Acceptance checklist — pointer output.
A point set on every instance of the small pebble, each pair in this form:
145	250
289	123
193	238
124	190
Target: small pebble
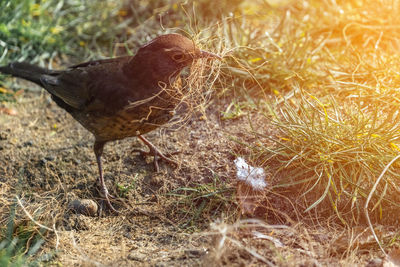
195	253
28	143
3	136
84	206
50	158
375	263
137	256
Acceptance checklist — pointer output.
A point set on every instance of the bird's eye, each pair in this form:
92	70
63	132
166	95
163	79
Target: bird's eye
179	57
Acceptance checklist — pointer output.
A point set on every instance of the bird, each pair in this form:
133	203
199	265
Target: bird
120	97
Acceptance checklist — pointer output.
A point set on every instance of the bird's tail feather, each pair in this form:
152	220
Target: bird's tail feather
25	70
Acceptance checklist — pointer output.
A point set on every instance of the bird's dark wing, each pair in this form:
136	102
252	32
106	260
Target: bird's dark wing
80	85
100	62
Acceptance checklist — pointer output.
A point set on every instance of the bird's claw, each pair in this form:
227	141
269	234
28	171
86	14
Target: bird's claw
158	155
104	193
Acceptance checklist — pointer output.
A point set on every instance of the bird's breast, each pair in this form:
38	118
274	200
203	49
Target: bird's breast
133	119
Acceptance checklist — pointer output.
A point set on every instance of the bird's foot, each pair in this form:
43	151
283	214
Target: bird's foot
155	152
104	193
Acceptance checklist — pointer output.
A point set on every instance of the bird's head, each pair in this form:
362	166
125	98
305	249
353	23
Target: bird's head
168	54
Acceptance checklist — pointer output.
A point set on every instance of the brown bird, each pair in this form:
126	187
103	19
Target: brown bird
119	97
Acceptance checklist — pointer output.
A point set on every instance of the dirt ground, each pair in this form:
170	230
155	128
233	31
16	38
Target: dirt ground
47	160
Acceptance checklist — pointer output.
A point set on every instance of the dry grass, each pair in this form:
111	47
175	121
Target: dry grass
308	90
335	108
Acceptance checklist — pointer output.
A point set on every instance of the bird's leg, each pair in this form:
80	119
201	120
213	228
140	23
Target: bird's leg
153	151
98	151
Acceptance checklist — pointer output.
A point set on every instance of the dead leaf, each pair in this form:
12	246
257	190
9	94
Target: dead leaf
9	111
19	92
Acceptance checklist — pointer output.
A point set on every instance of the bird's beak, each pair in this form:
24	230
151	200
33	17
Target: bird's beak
206	54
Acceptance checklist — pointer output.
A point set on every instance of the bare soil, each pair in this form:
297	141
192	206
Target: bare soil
46	159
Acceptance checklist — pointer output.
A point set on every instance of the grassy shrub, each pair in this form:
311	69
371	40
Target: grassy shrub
333	69
41	31
20	243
